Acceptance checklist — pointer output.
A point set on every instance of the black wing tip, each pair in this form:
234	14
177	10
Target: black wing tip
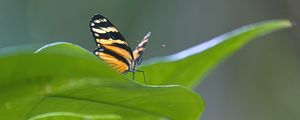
97	16
104	20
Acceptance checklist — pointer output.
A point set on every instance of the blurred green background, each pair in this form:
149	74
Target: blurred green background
260	82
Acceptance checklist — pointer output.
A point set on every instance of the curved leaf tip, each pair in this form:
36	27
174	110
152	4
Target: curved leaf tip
270	26
189	66
54	45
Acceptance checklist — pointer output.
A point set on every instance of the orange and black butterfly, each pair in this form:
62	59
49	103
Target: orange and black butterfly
112	47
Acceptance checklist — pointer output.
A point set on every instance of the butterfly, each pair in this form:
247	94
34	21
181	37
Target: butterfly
112	47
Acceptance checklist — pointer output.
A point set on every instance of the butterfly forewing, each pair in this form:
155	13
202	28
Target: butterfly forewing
112	47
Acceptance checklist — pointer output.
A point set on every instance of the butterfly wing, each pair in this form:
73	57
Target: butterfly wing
112	47
138	52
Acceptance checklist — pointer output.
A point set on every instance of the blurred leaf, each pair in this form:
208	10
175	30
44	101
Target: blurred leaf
57	84
188	67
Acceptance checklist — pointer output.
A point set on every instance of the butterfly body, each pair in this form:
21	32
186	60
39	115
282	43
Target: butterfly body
112	47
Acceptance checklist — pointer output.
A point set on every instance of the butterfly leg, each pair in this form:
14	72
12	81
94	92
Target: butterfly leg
123	75
133	75
143	75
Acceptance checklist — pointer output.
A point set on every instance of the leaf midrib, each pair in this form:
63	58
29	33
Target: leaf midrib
108	103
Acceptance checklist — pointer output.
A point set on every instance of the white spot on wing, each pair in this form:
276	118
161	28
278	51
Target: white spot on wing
92	24
114	29
109	29
98	30
97	21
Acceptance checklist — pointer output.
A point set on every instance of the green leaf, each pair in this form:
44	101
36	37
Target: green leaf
62	81
188	67
69	49
57	84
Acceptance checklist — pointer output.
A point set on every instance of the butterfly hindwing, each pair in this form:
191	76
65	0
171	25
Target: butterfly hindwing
115	60
112	47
